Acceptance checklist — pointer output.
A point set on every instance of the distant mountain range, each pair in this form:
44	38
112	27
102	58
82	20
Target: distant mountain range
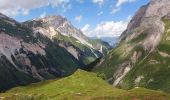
113	41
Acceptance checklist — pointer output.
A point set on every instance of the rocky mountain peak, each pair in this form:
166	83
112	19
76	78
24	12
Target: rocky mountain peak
2	16
54	21
148	21
7	19
52	25
59	23
58	26
158	8
158	1
54	17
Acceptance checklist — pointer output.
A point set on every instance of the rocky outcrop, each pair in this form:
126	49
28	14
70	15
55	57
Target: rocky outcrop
12	48
148	19
125	67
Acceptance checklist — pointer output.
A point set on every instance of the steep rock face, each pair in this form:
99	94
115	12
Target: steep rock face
61	31
142	57
26	58
60	24
148	19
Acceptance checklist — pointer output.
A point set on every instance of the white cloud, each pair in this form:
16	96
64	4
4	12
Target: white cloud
81	1
117	7
100	2
120	2
85	29
100	13
13	7
115	10
25	12
44	14
129	17
67	7
106	29
56	3
78	18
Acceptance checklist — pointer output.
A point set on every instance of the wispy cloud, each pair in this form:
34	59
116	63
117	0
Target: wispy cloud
117	6
43	15
78	18
100	2
81	1
86	28
100	13
115	10
120	2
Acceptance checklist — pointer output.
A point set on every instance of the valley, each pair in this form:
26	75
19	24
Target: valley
50	59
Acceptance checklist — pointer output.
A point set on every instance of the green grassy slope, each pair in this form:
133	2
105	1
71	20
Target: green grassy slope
81	86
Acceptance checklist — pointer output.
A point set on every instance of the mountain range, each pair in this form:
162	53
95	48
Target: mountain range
113	41
138	68
43	49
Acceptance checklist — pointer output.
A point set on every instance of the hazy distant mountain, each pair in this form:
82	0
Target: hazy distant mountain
111	40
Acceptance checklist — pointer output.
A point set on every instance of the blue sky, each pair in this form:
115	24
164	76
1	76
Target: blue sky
88	15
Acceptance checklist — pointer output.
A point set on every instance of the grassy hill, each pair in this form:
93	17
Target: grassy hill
79	86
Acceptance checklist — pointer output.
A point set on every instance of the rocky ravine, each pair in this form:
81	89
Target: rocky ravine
139	59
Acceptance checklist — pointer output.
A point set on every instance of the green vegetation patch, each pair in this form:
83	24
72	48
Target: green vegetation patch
81	86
